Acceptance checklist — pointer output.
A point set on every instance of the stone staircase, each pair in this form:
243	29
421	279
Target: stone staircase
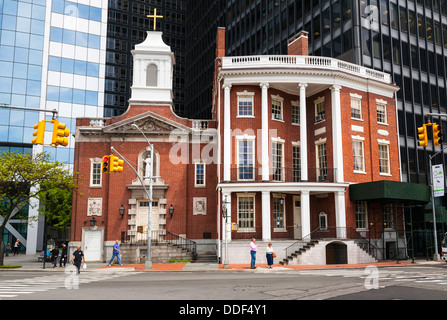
163	252
293	257
314	253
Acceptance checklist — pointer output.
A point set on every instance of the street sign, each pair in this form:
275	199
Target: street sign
438	180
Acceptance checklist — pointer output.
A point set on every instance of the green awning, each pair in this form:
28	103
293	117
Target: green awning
389	191
440	212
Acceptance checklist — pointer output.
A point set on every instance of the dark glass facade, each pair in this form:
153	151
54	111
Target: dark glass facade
407	39
127	26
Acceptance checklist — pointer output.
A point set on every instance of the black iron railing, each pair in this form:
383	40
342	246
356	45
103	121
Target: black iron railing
282	174
165	236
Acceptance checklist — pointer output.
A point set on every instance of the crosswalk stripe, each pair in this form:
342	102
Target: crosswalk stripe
13	288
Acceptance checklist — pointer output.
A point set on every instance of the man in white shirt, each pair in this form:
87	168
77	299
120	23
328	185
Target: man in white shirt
253	249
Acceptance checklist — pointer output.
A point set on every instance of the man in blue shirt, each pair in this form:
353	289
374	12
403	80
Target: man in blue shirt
116	253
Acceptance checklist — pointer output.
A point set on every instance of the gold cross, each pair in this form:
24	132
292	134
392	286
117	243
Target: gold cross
155	18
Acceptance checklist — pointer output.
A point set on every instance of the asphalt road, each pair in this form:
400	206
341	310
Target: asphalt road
415	282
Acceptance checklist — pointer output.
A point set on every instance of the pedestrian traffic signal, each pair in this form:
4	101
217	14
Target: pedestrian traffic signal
422	136
39	134
105	164
437	134
60	134
116	164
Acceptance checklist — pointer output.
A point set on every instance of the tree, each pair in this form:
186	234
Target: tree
25	178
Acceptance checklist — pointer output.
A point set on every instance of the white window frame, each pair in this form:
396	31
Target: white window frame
296	113
383	143
251	139
356	104
246	229
361	215
278	197
320	115
196	164
93	162
357	139
322	215
281	142
383	104
275	115
318	144
297	161
249	97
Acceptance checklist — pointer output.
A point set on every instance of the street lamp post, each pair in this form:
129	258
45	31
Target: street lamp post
224	210
148	263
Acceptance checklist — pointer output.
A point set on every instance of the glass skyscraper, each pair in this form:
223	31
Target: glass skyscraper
127	26
52	57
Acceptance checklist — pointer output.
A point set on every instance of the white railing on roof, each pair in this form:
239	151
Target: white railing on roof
266	62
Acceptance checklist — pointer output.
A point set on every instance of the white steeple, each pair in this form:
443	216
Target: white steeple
153	67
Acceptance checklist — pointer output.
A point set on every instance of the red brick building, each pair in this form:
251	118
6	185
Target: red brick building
290	136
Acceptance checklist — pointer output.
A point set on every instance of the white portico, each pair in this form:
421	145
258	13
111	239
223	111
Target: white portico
302	78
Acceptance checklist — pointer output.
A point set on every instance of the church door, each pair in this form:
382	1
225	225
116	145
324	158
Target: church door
143	209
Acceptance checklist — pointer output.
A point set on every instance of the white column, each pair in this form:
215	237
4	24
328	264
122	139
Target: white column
303	132
265	133
337	134
227	226
340	214
266	213
227	133
305	214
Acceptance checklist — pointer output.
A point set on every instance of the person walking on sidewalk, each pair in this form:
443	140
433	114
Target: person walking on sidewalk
54	256
77	258
16	247
63	255
116	253
253	249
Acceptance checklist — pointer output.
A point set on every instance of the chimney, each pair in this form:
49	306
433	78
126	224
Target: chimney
220	43
299	44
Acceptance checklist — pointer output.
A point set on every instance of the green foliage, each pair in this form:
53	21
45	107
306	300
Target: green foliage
25	178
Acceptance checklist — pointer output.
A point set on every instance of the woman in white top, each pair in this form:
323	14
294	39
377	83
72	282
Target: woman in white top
269	255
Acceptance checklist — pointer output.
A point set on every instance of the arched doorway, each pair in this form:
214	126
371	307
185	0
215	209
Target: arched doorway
336	253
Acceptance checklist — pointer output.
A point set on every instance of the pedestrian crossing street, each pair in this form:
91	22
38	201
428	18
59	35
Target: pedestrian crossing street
69	280
389	275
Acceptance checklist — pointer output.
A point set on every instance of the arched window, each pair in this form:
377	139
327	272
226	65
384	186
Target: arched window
152	76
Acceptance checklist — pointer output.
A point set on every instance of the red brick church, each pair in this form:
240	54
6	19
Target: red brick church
296	149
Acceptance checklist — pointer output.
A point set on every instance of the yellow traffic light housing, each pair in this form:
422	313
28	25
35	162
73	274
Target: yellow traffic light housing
60	134
437	134
116	164
422	136
39	134
105	164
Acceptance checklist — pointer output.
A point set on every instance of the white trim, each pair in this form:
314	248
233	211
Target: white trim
356	96
248	96
284	214
94	161
281	101
248	139
197	162
246	195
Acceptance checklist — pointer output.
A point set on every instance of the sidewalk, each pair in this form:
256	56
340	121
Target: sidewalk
31	263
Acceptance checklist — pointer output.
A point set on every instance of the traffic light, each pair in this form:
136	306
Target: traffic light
39	134
437	134
422	136
116	164
105	164
60	134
